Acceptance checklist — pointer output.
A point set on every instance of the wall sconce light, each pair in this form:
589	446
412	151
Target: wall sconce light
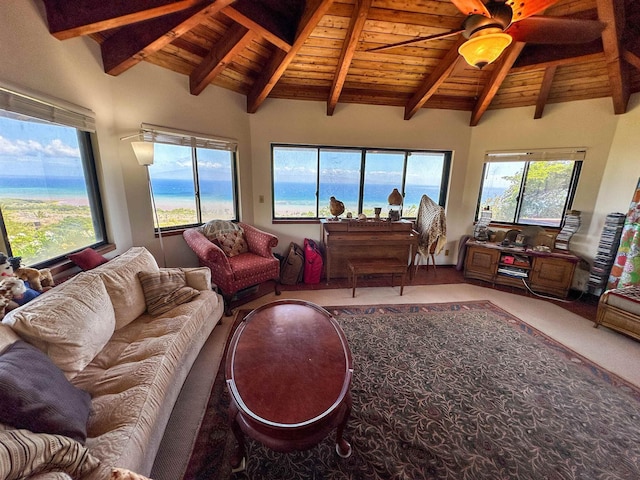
143	152
484	47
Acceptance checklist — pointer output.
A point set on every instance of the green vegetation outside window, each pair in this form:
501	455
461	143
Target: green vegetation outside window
306	177
49	198
530	188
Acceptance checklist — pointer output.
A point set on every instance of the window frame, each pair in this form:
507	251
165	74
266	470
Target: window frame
194	141
51	110
576	155
444	183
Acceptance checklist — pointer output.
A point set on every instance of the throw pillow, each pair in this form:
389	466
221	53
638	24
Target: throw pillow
24	453
165	289
35	394
213	227
232	243
87	259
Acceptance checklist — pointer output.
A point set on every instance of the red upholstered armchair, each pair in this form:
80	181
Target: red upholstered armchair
244	270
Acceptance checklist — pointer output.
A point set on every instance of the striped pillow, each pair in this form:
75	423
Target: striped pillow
165	289
24	453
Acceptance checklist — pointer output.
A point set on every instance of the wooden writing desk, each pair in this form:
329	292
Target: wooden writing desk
345	240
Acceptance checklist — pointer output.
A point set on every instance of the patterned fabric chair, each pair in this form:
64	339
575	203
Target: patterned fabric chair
233	273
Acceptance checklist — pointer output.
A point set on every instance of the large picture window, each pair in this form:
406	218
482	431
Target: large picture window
529	188
193	177
306	177
49	198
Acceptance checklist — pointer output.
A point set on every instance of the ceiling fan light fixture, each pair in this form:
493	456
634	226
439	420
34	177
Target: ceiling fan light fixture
484	47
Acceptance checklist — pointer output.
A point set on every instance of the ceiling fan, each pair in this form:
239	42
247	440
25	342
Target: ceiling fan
491	27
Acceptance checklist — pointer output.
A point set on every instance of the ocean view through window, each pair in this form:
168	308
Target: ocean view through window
49	199
193	180
306	177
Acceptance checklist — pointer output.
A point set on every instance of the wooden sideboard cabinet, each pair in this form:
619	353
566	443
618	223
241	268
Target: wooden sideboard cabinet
344	240
547	273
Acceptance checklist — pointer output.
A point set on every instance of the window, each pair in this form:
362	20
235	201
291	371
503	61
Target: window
49	198
306	177
193	177
530	188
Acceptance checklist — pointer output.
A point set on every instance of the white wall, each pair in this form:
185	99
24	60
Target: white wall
72	70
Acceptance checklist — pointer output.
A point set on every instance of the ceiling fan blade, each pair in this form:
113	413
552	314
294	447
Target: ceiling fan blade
525	8
416	40
472	7
555	30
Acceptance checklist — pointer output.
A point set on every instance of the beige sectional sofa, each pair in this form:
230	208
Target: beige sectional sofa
97	329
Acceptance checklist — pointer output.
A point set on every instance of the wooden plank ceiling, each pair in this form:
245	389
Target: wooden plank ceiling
320	50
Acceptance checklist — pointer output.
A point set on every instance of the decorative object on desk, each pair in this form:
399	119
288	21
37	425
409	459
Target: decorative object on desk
481	230
570	226
395	205
336	207
377	211
395	197
626	269
531	235
349	215
431	224
362	217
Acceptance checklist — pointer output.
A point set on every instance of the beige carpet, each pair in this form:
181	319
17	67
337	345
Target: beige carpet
611	350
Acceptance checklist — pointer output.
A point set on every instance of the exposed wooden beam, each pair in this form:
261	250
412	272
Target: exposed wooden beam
234	41
131	44
254	26
356	25
612	13
497	77
315	10
545	88
432	82
82	17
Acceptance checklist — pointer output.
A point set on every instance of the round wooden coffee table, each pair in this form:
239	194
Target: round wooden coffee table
289	369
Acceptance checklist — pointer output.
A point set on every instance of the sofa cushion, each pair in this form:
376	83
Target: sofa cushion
87	259
165	289
24	453
70	323
120	276
7	336
135	379
36	395
198	277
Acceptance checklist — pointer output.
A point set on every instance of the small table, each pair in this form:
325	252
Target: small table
289	370
369	266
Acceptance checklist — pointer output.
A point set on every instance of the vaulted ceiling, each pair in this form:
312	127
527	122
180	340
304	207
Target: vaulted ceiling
322	50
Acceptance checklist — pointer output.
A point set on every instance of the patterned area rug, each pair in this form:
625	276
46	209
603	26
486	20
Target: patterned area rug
453	391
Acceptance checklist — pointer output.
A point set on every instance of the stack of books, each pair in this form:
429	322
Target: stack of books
606	253
570	226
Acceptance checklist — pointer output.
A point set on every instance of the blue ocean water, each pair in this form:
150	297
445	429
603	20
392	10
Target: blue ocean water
175	191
